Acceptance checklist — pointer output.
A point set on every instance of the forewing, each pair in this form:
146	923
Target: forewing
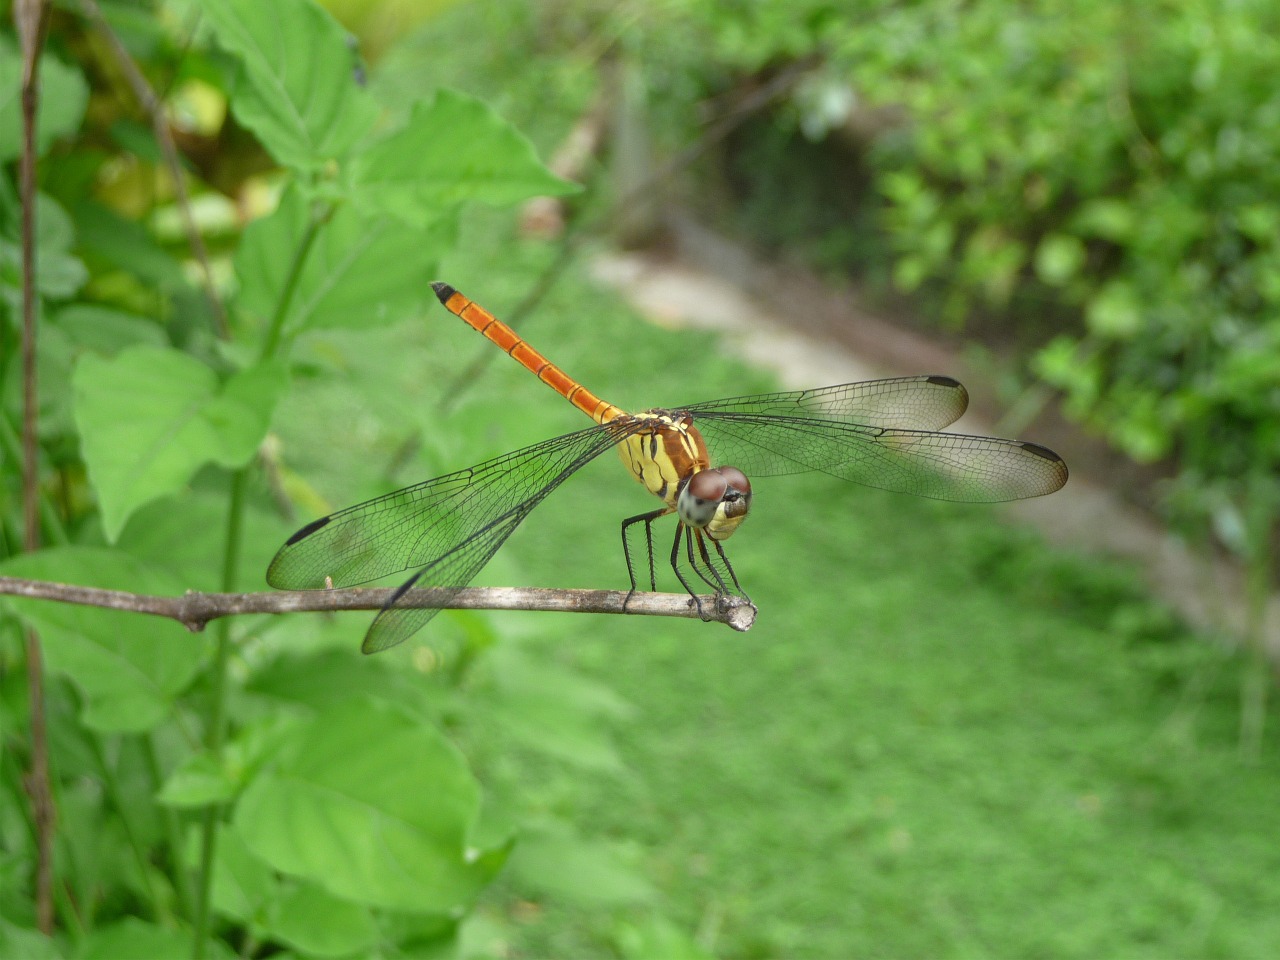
906	403
943	466
454	516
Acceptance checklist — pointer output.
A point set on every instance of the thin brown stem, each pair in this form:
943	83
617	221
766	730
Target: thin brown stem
31	17
194	610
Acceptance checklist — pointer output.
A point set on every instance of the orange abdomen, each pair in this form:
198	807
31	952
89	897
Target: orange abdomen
498	332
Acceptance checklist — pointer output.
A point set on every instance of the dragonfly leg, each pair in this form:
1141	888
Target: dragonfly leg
712	568
728	566
718	584
647	519
684	531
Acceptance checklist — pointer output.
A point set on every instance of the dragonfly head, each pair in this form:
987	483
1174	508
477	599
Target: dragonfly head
715	501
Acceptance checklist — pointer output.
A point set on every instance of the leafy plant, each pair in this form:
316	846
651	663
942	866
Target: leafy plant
208	800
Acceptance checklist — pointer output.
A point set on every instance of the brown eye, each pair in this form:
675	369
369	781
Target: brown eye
735	478
708	485
724	489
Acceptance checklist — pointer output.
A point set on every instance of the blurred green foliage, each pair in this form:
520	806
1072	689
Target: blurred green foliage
1102	174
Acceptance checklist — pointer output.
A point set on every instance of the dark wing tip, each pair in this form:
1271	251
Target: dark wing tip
1047	454
443	291
278	574
307	531
958	389
1044	452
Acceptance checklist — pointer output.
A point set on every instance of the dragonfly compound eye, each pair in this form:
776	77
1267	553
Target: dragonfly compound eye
724	490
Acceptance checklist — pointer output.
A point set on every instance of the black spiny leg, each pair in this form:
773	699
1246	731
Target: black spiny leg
728	566
647	519
681	529
718	585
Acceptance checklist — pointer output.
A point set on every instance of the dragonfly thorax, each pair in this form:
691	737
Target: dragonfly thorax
662	450
715	501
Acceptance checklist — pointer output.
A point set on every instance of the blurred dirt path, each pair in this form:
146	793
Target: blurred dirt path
710	284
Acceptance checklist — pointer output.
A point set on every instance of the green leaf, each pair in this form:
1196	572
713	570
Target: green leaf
198	781
374	805
107	331
298	94
129	667
909	272
63	97
54	363
320	679
132	937
201	780
107	237
184	532
316	923
553	861
149	418
242	884
362	269
554	711
60	274
453	149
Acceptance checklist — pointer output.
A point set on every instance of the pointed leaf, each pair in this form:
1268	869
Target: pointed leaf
454	148
363	268
299	93
149	418
242	884
374	805
554	861
316	923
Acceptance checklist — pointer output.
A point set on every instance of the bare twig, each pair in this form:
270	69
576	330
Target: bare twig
154	109
194	610
31	18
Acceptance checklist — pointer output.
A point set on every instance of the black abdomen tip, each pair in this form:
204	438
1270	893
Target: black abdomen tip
443	290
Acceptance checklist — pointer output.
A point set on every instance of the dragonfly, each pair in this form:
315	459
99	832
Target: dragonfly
879	433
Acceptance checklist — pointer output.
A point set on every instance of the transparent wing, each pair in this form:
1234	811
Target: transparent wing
821	430
449	526
907	403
